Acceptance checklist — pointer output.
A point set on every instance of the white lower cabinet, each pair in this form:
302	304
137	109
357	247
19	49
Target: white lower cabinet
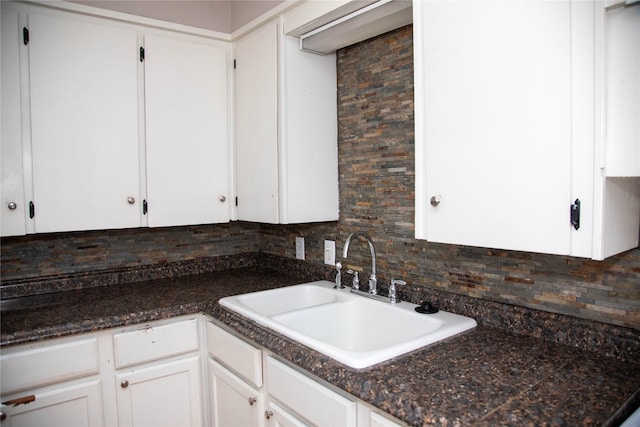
166	394
78	405
148	375
248	386
154	375
235	380
369	417
277	416
305	397
158	379
233	401
54	383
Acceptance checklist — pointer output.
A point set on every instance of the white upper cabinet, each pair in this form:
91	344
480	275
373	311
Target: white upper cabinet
497	124
256	92
13	209
505	134
84	123
309	140
286	130
622	53
94	132
186	131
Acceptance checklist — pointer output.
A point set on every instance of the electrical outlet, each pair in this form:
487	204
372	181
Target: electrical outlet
299	247
330	252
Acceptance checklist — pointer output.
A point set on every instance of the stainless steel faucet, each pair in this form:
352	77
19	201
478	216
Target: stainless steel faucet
373	280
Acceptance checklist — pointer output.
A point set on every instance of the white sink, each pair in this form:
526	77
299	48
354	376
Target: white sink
352	329
282	300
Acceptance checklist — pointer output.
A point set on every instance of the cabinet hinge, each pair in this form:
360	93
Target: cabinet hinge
141	54
234	64
25	35
32	210
145	207
575	214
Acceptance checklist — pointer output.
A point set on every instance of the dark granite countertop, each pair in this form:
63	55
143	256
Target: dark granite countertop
484	377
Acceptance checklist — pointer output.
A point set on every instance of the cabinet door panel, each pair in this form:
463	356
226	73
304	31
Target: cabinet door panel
186	132
84	115
497	124
12	220
257	125
310	152
238	355
76	405
623	91
279	417
306	397
161	395
233	402
34	365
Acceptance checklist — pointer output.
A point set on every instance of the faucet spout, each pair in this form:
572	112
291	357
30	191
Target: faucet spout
373	279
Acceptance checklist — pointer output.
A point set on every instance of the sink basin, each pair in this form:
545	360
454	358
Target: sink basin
281	300
352	329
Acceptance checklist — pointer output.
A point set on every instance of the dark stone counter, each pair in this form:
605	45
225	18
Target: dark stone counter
484	377
91	309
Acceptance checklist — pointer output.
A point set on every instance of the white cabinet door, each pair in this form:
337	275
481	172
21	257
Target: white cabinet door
309	142
257	125
12	208
307	398
369	417
78	405
233	402
277	416
622	34
166	394
286	130
186	132
493	124
84	116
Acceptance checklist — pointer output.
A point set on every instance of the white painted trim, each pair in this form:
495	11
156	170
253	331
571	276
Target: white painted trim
127	18
420	156
599	131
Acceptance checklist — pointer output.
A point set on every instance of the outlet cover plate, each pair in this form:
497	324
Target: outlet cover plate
299	247
330	252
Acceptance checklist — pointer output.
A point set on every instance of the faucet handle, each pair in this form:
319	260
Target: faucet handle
356	279
393	296
338	284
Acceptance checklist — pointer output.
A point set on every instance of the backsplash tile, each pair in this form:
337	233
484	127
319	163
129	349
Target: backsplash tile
66	253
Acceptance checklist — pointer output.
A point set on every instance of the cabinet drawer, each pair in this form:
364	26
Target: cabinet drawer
311	400
156	341
35	365
243	358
